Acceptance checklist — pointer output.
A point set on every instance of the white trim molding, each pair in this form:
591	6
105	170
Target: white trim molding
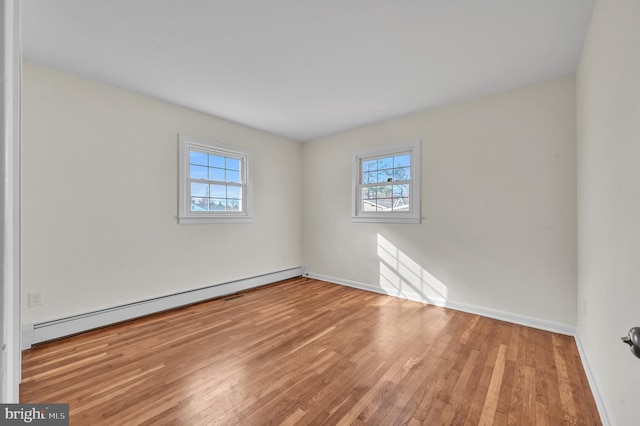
42	332
10	122
26	340
527	321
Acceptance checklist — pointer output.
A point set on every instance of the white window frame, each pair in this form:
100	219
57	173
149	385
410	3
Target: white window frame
410	216
185	215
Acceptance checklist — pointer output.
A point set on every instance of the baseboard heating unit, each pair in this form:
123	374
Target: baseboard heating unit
50	330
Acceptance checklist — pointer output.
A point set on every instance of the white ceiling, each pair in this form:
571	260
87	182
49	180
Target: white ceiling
306	69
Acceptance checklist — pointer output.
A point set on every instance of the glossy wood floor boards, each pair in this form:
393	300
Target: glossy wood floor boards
309	352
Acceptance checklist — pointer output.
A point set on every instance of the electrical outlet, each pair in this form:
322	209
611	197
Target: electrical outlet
35	299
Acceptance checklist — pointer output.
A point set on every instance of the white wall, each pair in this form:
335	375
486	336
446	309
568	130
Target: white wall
608	93
498	206
100	200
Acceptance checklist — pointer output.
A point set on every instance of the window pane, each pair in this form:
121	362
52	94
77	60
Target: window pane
369	193
401	204
199	204
197	172
216	161
402	173
385	175
218	191
233	176
369	165
233	205
198	158
385	163
233	164
217	204
234	192
198	189
402	161
369	177
368	206
400	190
368	199
401	197
216	174
384	204
384	191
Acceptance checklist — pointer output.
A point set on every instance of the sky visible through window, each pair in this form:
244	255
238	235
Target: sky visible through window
216	182
385	183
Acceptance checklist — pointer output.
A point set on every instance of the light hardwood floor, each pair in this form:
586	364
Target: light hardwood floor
309	352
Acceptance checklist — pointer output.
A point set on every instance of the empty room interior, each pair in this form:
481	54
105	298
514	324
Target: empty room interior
368	212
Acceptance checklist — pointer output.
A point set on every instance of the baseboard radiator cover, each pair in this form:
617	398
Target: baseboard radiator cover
527	321
63	327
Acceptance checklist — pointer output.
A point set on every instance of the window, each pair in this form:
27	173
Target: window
386	184
214	182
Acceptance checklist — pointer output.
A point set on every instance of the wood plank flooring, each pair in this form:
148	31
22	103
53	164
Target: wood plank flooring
309	352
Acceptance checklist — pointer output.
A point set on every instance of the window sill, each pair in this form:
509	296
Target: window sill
190	220
394	219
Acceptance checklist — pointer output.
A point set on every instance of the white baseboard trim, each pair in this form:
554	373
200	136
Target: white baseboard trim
527	321
595	390
42	332
26	339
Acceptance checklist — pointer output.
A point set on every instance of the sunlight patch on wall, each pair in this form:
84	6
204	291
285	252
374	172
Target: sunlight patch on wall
400	275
